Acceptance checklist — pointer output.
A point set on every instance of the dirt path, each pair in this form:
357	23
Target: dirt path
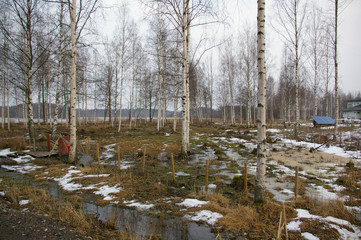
314	163
23	225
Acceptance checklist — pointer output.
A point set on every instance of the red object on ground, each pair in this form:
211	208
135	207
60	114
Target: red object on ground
63	147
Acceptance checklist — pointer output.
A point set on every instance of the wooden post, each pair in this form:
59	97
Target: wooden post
245	179
340	138
87	146
34	147
207	166
48	141
296	183
285	221
118	150
143	163
29	143
98	154
173	170
282	225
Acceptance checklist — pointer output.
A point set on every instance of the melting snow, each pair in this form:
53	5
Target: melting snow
107	190
332	221
205	215
140	206
309	236
189	202
5	152
23	202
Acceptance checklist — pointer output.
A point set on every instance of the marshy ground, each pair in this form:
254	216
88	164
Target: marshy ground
328	205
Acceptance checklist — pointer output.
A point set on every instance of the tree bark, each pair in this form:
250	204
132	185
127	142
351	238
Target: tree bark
72	152
261	114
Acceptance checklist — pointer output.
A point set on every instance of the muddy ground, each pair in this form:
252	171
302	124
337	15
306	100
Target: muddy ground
21	224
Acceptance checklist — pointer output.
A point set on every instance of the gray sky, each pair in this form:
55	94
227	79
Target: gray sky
243	13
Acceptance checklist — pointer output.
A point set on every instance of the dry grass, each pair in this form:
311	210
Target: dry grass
320	230
14	143
334	208
259	222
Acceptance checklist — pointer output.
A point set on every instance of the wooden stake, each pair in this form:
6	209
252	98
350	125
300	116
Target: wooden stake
207	166
56	142
98	154
296	183
87	146
173	170
245	179
282	225
118	150
143	163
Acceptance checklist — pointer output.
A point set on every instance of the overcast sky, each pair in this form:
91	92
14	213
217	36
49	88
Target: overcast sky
243	13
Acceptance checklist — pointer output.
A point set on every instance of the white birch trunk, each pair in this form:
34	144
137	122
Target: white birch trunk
336	70
72	152
260	189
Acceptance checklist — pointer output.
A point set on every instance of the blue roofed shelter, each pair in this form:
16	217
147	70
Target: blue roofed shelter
319	121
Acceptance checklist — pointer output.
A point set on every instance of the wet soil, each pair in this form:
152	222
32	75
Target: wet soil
20	224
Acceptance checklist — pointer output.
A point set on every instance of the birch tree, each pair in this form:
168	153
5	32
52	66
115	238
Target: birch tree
260	189
85	10
291	16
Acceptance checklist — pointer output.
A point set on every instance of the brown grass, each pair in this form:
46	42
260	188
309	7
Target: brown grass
14	143
320	229
259	222
334	208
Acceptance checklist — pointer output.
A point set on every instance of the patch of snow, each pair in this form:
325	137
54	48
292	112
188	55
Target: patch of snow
294	226
106	190
181	174
23	159
22	168
323	193
271	130
189	202
205	215
309	236
96	176
212	186
5	152
287	191
23	202
140	206
2	193
167	134
65	181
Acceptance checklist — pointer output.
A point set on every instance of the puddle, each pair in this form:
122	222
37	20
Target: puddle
141	225
137	222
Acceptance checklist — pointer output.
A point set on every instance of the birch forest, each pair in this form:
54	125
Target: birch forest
137	77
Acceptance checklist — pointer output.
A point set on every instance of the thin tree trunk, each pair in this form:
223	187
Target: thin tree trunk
185	79
260	189
336	70
72	152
